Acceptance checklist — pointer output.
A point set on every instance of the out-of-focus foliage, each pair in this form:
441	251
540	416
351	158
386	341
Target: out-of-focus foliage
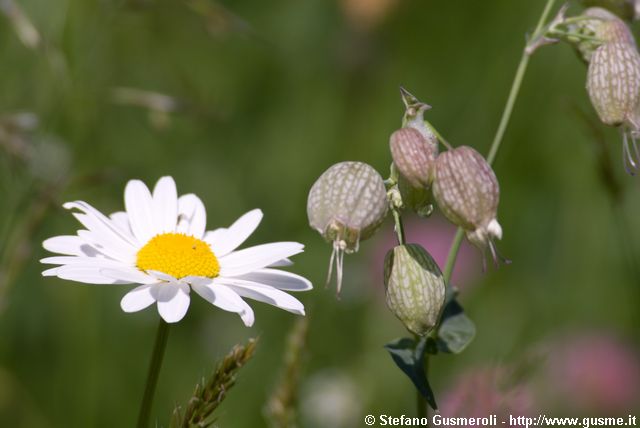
246	103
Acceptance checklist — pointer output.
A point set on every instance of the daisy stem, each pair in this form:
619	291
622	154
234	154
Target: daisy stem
154	370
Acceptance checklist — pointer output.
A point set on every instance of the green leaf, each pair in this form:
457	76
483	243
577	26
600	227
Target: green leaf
409	357
456	329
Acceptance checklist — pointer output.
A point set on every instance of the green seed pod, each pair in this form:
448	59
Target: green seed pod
414	156
613	79
466	190
347	204
415	287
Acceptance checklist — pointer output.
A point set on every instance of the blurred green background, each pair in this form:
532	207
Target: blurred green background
246	103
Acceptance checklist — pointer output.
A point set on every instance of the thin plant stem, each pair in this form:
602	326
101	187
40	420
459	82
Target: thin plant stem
502	127
453	254
493	151
399	227
515	87
421	403
558	33
439	136
154	370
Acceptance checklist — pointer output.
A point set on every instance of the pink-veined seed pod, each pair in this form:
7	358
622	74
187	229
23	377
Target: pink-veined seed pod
413	156
415	287
613	84
347	204
467	192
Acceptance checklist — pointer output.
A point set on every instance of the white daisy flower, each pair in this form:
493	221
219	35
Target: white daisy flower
160	242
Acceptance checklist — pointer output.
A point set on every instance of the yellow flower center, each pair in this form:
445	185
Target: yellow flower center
178	255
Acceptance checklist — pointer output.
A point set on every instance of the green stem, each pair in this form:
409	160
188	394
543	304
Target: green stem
576	19
438	135
515	87
421	403
497	141
495	146
502	128
154	370
399	227
453	254
565	34
423	406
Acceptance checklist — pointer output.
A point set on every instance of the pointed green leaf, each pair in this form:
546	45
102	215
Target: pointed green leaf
456	329
409	357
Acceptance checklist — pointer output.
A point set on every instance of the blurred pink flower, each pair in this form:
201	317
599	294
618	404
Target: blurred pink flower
367	13
594	371
486	391
435	234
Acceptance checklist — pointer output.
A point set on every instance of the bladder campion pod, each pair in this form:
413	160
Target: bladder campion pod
467	192
414	156
346	205
415	287
613	83
413	166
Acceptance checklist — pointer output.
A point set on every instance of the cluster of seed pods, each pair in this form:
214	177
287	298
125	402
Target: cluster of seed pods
350	200
463	184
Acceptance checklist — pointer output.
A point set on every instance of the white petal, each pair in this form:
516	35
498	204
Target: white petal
131	275
86	274
258	257
97	262
50	272
69	245
282	263
107	244
103	234
247	316
121	219
226	299
220	296
265	294
138	203
195	280
173	300
279	279
215	236
103	220
162	276
137	299
192	216
165	205
236	234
